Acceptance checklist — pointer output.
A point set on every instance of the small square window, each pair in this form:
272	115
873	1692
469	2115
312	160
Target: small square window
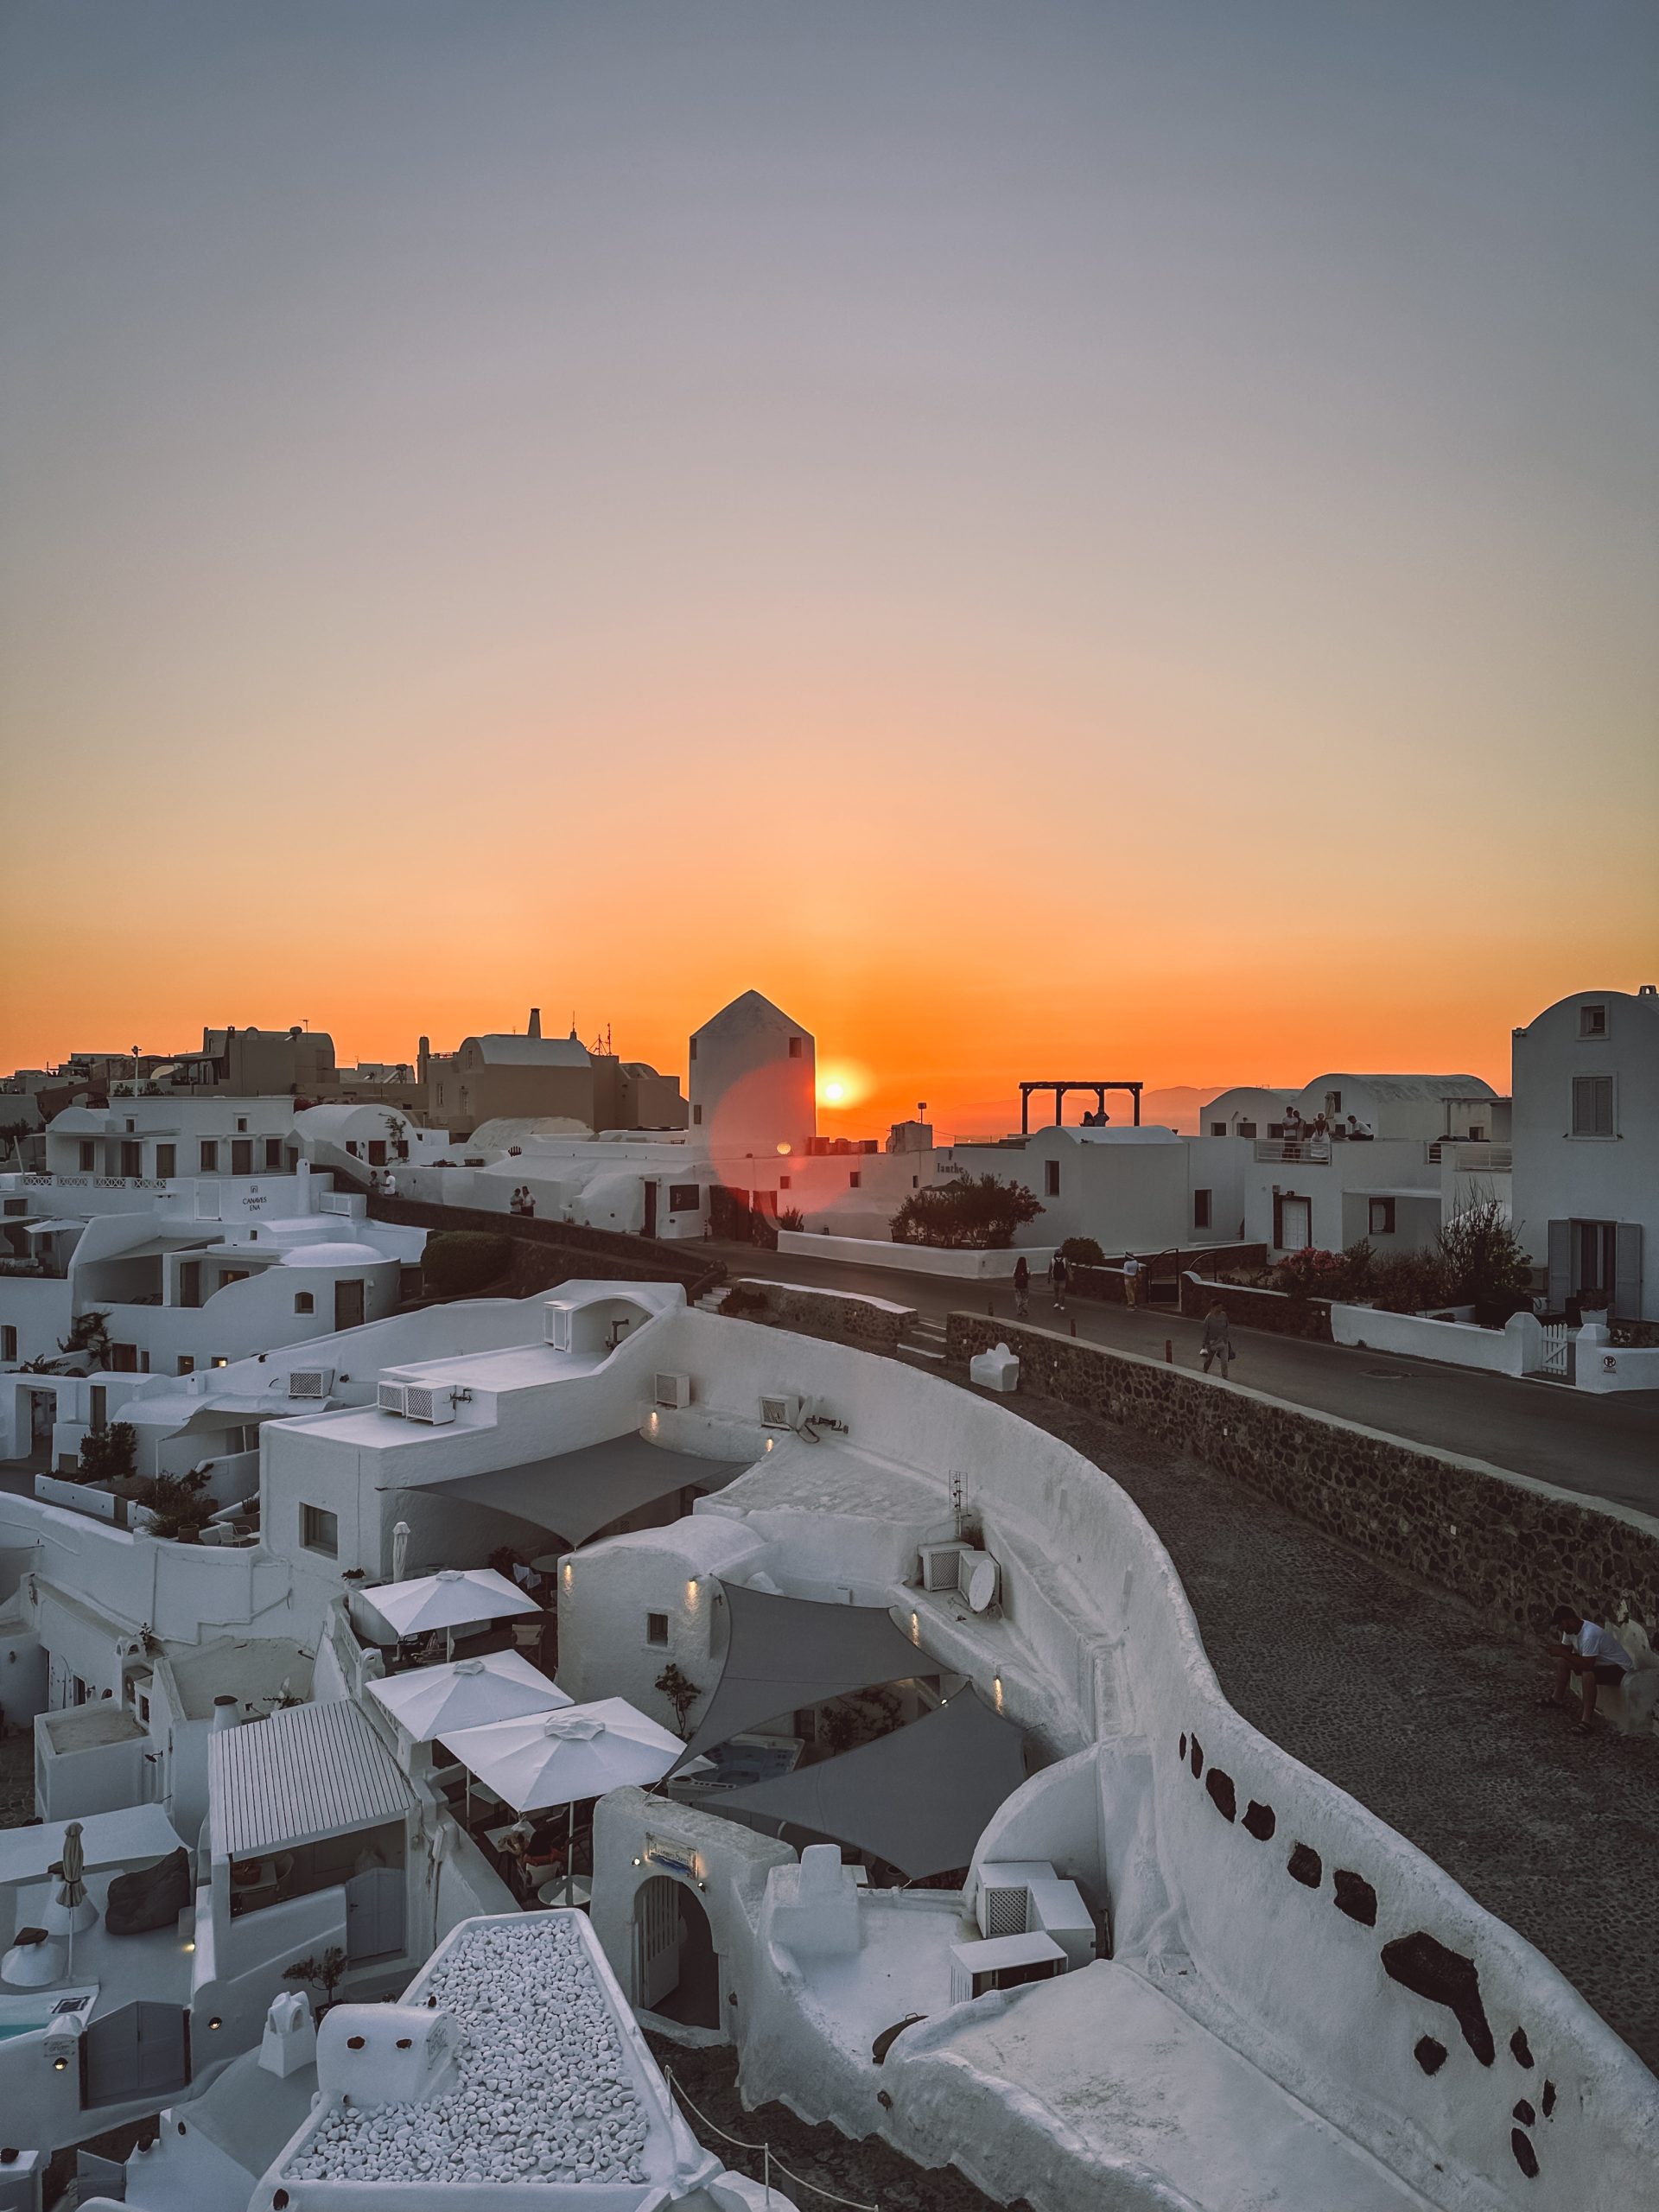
1593	1021
783	1182
241	1125
1247	1129
1382	1217
1217	1129
8	1343
304	1302
694	1052
656	1629
696	1117
187	1363
854	1179
320	1530
1201	1209
794	1048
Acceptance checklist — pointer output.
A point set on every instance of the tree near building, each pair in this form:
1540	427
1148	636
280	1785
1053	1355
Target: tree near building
968	1214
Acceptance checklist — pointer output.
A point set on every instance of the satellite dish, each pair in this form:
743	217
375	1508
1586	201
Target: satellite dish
978	1581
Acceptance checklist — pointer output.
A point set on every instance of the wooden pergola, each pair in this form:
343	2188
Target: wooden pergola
1060	1090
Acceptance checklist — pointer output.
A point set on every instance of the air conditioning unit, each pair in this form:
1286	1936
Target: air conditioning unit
310	1381
782	1409
555	1326
673	1390
429	1402
1003	1907
940	1565
416	1401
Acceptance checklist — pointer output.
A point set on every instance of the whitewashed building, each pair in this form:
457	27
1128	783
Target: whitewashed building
1586	1084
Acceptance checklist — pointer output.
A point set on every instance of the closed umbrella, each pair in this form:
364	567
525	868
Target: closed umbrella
399	1551
449	1599
561	1758
73	1894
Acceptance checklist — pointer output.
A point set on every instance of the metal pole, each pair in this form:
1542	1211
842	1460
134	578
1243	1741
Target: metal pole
768	2151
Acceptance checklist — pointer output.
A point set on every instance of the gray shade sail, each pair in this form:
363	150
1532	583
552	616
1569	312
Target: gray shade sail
785	1652
574	1493
920	1798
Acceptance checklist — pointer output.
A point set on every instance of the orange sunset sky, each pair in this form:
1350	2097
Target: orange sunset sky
1109	540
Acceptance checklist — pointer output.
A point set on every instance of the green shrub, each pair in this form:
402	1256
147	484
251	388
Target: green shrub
1483	1256
966	1215
1409	1282
109	1455
458	1261
1082	1252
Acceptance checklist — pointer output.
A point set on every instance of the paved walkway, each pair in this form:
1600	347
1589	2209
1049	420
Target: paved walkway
1419	1708
1604	1447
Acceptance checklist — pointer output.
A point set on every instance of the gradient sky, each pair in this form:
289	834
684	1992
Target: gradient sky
1112	538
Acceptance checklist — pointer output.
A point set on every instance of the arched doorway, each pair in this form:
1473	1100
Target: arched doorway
677	1970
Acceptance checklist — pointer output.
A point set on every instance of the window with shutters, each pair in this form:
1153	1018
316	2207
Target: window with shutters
1593	1106
1217	1129
209	1160
684	1197
166	1162
657	1630
1593	1021
88	1156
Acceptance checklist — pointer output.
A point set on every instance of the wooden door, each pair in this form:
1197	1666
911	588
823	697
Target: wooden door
657	1940
374	1914
651	1210
348	1306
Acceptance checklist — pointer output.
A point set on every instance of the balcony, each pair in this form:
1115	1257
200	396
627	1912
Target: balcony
1472	1157
1294	1152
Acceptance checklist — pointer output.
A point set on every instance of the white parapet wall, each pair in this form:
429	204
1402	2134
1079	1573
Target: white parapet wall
1512	1350
915	1259
1600	1365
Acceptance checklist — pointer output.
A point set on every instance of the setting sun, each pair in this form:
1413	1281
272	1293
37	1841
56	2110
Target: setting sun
834	1093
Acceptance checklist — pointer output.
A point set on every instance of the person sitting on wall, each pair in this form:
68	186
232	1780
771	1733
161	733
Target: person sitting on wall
1594	1655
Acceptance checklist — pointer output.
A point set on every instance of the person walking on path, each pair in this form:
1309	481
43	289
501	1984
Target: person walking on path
1217	1342
1022	1289
1594	1655
1131	1281
1057	1276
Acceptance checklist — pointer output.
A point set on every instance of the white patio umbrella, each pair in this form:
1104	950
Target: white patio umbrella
559	1758
399	1550
467	1694
449	1600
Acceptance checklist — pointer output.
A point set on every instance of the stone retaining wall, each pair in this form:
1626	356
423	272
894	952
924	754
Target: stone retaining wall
873	1321
1272	1310
1515	1548
598	1252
